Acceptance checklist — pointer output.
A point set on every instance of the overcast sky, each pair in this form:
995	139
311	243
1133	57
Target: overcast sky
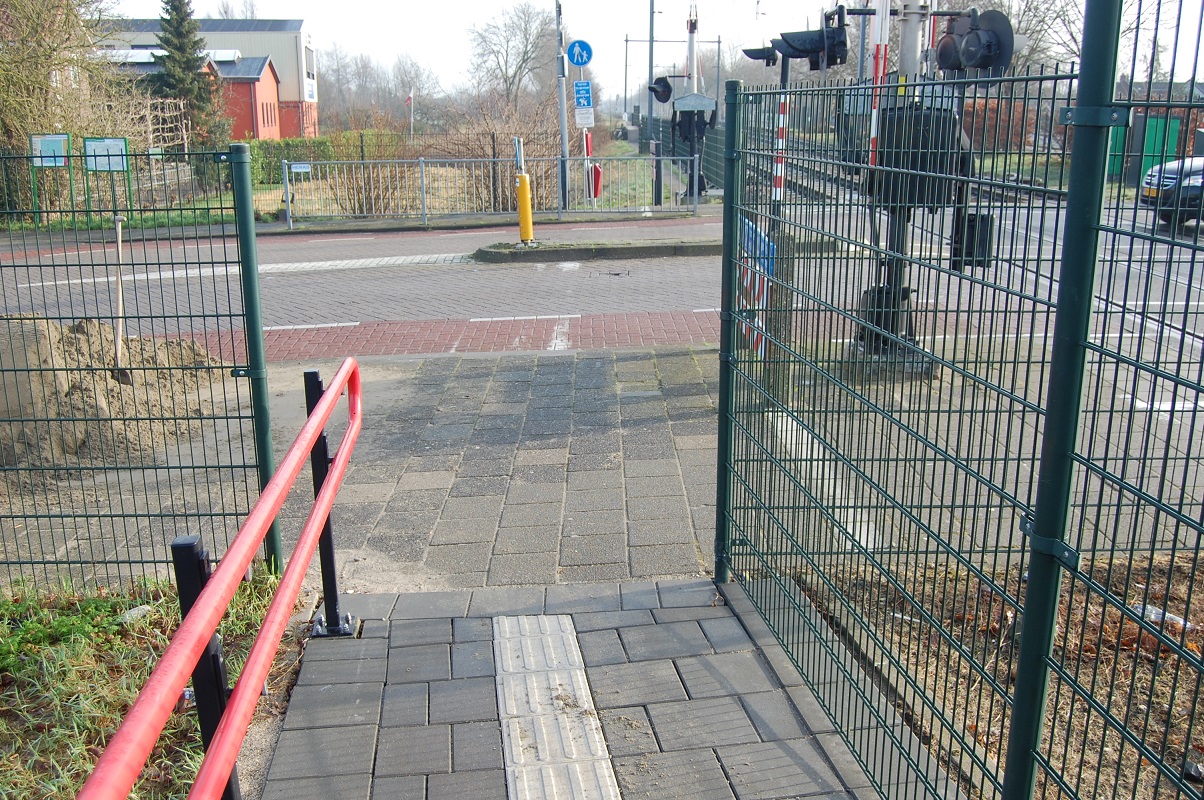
435	34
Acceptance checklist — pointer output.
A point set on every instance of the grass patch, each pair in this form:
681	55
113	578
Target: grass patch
71	665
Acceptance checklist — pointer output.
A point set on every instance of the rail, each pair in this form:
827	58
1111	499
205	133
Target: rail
119	766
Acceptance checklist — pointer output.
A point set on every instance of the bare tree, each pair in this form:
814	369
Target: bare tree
511	49
50	79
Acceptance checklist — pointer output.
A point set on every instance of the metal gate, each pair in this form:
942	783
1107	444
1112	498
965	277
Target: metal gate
959	467
133	401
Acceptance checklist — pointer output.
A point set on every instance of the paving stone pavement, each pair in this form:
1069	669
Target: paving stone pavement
523	469
695	699
486	488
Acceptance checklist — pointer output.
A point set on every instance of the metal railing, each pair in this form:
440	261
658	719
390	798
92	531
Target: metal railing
426	188
127	751
958	464
132	387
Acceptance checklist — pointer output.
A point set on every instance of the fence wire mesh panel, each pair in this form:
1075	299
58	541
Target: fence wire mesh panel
1124	707
425	188
913	317
120	426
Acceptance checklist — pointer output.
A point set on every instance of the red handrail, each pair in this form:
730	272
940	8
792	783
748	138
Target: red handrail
126	754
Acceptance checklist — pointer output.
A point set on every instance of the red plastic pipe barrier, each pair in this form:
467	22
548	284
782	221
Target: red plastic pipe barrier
124	757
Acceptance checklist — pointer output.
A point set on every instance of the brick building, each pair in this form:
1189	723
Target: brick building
283	41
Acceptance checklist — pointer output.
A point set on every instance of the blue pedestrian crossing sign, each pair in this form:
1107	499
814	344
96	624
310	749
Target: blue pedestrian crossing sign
583	94
579	53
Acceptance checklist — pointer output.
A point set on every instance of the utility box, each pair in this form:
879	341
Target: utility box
918	157
973	241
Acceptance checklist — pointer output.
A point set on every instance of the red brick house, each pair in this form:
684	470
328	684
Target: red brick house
252	90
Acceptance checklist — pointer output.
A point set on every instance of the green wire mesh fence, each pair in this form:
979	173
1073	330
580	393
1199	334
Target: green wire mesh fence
908	325
121	426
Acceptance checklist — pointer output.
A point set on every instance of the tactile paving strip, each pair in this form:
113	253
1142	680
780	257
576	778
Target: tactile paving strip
551	736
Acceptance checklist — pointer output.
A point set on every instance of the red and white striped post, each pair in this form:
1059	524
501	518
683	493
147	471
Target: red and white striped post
881	40
778	183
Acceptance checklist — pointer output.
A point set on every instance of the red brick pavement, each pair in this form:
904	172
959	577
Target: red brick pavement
425	337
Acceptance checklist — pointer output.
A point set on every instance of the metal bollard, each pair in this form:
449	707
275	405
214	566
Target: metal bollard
333	623
210	684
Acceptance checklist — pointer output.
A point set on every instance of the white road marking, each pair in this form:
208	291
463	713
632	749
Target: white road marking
310	327
516	319
560	336
268	269
707	310
341	239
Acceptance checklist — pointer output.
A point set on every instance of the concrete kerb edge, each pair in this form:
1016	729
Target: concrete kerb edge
502	254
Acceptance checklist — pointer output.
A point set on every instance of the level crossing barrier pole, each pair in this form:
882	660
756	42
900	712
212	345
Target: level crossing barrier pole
333	623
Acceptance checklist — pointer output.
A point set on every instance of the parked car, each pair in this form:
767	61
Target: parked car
1173	190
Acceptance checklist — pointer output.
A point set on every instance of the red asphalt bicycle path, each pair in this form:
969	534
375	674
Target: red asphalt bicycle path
429	337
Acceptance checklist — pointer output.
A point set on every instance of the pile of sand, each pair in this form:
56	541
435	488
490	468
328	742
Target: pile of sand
61	408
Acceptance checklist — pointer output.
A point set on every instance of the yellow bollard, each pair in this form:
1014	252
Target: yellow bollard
526	228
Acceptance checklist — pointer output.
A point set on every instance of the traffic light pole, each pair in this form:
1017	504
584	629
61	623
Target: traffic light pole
562	69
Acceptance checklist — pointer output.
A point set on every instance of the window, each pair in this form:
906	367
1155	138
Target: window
311	67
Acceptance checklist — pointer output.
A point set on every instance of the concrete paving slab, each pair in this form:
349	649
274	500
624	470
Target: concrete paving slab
351	787
463	700
397	787
427	605
667	640
419	663
598	620
368	670
323	752
618	685
405	704
334	705
691	724
601	647
343	648
567	599
487	784
774	716
769	770
413	751
472	659
495	602
476	746
687	775
410	632
628	731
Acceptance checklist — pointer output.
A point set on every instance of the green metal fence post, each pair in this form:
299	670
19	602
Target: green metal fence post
244	214
731	231
1091	118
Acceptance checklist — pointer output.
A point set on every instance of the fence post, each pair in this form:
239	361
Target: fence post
731	231
210	684
256	369
422	186
288	199
1048	551
333	623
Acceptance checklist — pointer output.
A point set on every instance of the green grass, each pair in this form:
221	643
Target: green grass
70	668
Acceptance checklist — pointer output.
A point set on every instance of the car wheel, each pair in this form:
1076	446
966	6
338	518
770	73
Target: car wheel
1173	218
